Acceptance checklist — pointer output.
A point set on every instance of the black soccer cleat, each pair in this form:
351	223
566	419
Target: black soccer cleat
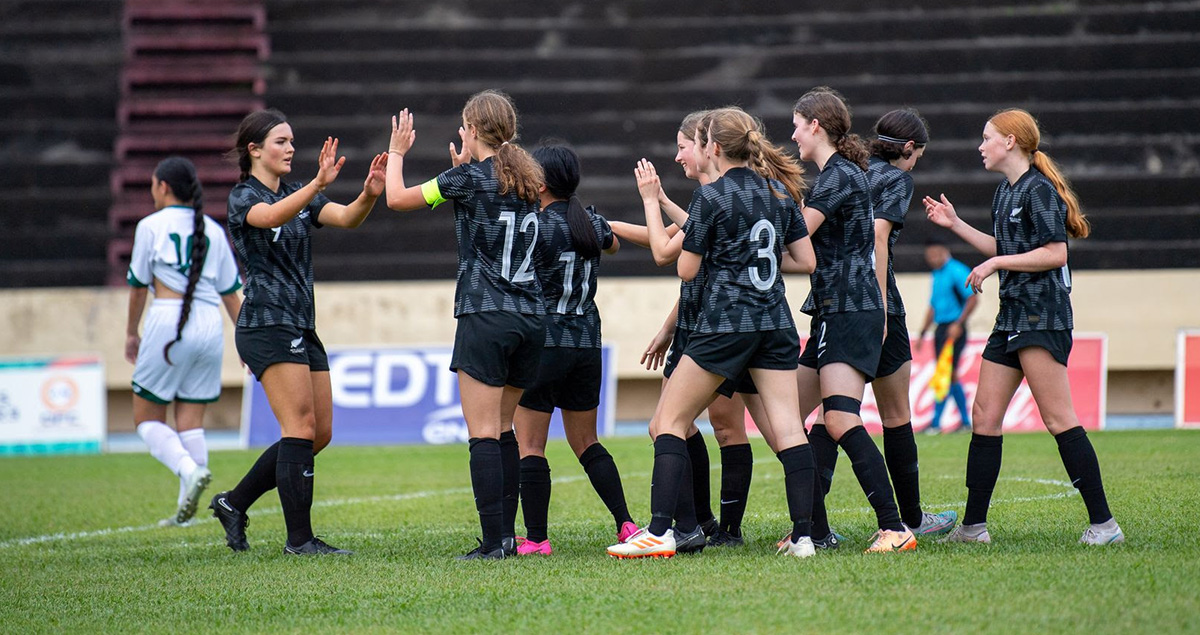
234	521
726	539
314	547
693	542
479	554
710	527
830	542
509	545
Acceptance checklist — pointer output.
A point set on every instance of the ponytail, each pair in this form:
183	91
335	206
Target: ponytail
180	175
854	149
517	172
1077	224
772	163
583	235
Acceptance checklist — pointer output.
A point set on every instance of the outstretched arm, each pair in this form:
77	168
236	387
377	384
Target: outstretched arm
399	197
664	247
353	215
637	234
942	214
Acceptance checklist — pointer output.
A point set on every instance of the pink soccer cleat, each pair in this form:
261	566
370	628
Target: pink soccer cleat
627	529
526	547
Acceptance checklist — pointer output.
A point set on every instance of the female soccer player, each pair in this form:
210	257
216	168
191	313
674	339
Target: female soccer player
900	140
848	320
182	255
572	239
1034	212
739	226
271	222
498	299
726	411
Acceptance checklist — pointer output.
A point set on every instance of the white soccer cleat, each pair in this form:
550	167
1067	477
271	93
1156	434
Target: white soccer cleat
194	484
644	544
969	533
1108	533
802	548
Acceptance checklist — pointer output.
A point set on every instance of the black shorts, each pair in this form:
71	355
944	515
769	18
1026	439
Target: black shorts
1002	346
854	338
499	348
568	378
896	348
263	346
730	355
940	334
743	384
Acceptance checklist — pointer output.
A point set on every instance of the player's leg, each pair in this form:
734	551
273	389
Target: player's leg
778	391
532	427
1052	392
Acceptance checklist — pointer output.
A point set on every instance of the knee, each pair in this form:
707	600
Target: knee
985	419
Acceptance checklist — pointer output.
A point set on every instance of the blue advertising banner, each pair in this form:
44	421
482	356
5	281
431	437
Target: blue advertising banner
385	396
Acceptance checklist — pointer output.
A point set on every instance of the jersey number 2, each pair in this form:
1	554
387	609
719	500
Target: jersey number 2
510	226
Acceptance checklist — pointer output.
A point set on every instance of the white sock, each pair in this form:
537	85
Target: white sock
193	441
165	446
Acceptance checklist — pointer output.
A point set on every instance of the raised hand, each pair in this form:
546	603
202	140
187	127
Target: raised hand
458	158
940	213
329	166
376	176
403	133
647	180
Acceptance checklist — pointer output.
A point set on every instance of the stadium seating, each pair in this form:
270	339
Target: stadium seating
1114	83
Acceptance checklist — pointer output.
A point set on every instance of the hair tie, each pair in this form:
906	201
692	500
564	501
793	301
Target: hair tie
888	139
504	144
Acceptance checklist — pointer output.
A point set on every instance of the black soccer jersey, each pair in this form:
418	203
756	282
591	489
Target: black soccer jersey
278	260
1026	216
496	238
891	194
844	243
569	280
740	227
690	297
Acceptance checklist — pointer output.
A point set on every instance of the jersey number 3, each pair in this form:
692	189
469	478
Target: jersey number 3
767	252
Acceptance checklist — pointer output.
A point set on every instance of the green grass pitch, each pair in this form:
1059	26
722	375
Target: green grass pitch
78	551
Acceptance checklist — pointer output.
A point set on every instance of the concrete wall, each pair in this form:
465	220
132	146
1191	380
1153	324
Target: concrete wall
1139	310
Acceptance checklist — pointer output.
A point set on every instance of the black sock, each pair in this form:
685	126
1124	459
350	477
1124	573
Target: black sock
294	478
872	476
510	459
701	471
535	496
737	466
685	509
1083	468
825	455
602	472
799	474
900	452
670	463
487	483
258	481
983	468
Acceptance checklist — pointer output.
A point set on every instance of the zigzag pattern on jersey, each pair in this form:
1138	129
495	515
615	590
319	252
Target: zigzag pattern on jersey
577	324
845	279
891	195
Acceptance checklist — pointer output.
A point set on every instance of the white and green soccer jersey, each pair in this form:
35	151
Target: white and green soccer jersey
162	248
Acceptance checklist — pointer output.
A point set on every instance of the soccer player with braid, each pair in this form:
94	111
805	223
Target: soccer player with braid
848	318
1034	213
271	222
182	256
738	228
498	298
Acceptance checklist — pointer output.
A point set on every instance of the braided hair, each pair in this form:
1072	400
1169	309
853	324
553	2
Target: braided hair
180	175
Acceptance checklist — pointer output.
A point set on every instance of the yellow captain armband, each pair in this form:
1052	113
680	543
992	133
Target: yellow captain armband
432	193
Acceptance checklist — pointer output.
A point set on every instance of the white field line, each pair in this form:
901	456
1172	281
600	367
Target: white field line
455	491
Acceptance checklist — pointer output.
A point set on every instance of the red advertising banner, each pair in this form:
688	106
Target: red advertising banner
1087	371
1187	380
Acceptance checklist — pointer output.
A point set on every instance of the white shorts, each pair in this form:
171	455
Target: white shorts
195	374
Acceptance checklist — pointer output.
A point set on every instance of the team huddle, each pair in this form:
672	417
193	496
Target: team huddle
529	333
